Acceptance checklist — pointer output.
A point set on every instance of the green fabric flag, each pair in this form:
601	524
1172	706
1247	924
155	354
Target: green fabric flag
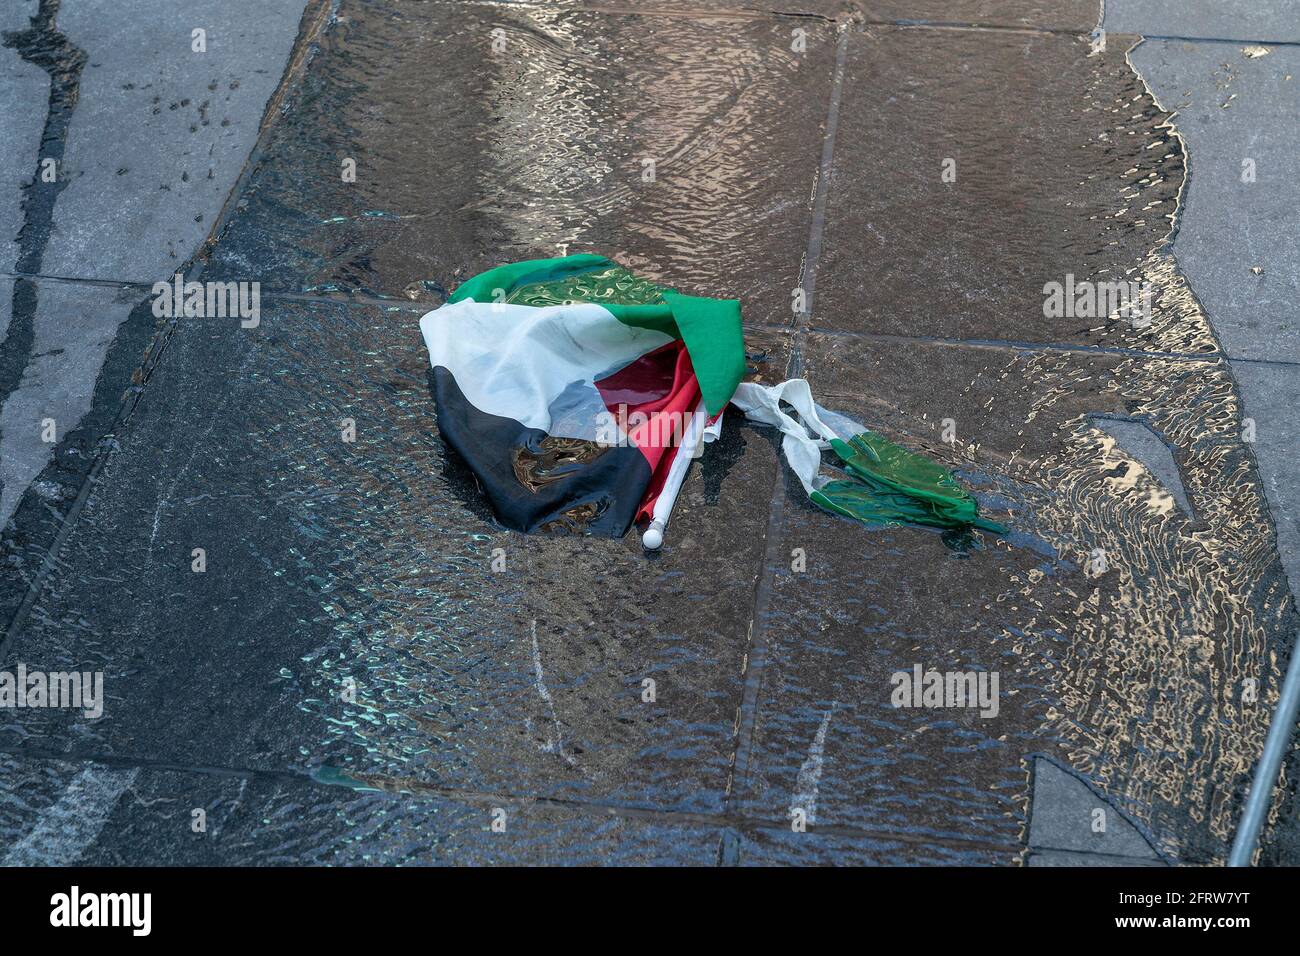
885	483
710	328
892	485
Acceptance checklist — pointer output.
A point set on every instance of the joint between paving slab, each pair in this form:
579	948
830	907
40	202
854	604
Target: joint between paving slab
756	649
1056	31
393	788
1016	345
976	27
847	16
1173	37
1029	346
817	230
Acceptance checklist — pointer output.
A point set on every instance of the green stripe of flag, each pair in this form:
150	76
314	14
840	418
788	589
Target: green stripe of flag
710	328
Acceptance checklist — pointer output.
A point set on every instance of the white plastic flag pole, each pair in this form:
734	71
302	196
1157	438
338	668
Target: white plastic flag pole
692	436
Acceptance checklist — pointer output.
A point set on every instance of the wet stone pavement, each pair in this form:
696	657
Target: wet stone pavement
368	669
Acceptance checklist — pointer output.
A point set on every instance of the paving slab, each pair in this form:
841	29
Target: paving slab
1272	394
1067	816
1236	230
539	128
1276	20
57	813
1063	173
1073	603
83	423
161	131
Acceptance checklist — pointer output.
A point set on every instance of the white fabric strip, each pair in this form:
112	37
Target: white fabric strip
805	436
536	365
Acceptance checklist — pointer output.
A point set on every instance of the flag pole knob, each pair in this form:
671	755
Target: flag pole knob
653	538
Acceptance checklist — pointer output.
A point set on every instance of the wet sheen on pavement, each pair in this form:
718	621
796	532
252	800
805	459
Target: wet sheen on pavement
372	669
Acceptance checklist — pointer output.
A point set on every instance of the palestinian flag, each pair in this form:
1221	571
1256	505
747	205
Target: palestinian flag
566	384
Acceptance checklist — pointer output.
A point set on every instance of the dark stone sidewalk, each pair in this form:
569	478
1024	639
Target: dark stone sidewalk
803	149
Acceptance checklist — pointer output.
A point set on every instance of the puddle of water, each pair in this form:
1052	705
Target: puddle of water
1135	675
384	558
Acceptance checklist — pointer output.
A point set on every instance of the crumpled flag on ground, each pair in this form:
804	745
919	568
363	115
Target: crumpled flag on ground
886	484
565	385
